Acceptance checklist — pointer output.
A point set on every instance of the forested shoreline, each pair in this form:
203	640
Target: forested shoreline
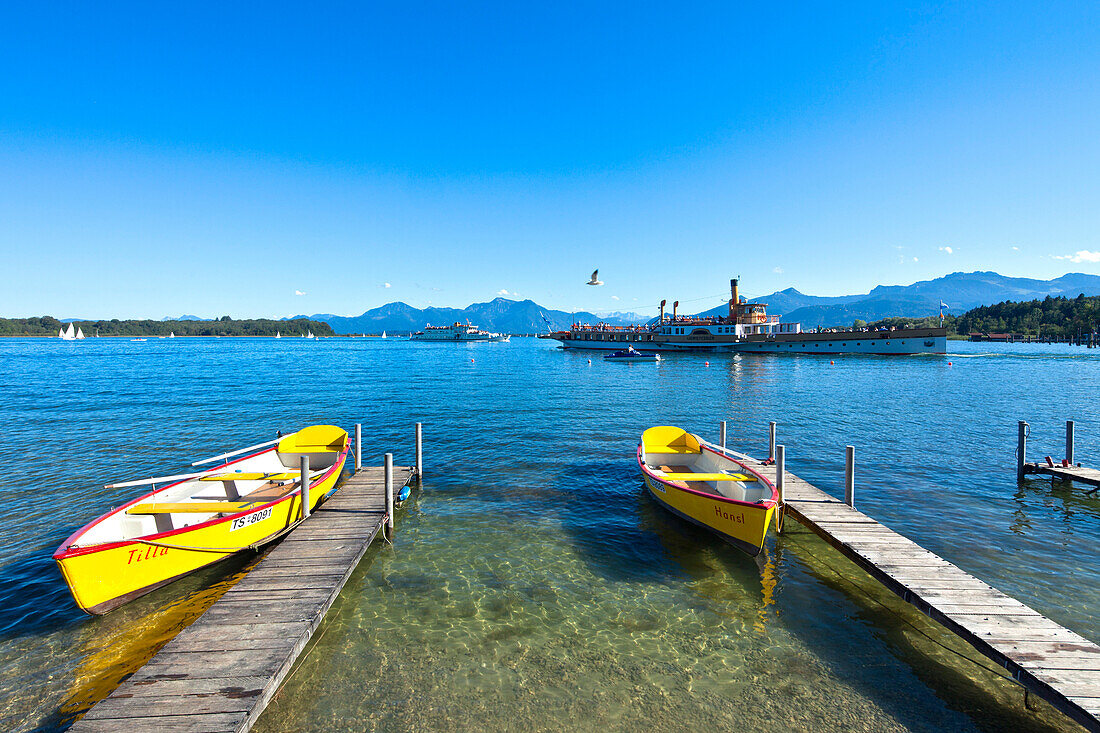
1054	317
225	326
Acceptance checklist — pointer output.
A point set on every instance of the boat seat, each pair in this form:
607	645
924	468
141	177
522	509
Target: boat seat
209	507
691	476
676	469
280	476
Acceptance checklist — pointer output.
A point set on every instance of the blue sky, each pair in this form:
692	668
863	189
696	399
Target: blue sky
221	158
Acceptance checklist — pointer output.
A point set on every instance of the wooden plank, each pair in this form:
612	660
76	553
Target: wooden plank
219	673
170	703
238	686
208	723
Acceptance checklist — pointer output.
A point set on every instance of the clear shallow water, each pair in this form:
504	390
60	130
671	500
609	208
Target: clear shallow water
532	583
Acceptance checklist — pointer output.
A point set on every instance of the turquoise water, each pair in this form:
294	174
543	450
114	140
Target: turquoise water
532	583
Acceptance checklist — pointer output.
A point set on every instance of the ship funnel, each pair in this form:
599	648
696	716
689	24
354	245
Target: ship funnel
662	319
674	304
734	302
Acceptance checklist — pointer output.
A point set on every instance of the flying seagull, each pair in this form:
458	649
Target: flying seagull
595	279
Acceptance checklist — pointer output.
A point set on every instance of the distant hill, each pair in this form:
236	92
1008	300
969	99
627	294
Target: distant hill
960	290
187	318
499	314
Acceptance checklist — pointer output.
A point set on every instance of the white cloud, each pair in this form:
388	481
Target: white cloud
614	297
386	285
915	260
777	270
1016	248
1082	255
948	250
502	291
299	292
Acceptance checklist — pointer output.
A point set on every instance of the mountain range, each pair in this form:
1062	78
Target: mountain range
961	291
499	314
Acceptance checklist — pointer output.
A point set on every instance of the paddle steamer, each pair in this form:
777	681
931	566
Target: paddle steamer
749	328
459	332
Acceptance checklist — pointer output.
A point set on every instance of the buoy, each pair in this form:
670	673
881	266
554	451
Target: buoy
589	361
948	363
471	361
706	363
832	362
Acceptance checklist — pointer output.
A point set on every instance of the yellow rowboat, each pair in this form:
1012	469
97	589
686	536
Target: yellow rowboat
708	487
197	519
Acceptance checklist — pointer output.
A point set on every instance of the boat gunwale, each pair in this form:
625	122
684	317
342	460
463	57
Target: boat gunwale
762	504
67	549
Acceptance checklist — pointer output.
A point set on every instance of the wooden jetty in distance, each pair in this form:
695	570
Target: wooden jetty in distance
220	672
1059	665
1065	470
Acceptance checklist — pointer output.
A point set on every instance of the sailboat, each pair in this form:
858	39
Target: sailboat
383	334
310	335
79	333
171	334
69	334
278	335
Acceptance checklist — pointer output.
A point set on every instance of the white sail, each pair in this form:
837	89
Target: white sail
61	333
79	333
278	335
383	334
70	333
311	336
171	334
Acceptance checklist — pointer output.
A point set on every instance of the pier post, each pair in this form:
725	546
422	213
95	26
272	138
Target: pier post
303	466
419	451
771	441
722	433
850	475
1069	441
389	492
1021	450
780	469
358	446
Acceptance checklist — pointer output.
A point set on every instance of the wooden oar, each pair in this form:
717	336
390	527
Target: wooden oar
154	480
238	452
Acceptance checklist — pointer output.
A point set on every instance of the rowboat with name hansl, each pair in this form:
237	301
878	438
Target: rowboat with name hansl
707	486
197	519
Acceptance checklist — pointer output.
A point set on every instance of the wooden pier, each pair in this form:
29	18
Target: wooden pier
1064	470
1089	476
1050	661
219	673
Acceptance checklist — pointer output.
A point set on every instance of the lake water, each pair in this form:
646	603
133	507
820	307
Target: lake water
532	584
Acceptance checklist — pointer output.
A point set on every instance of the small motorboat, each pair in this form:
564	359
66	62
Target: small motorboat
697	481
197	519
631	354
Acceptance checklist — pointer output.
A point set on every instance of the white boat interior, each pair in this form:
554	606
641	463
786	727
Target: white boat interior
223	490
707	472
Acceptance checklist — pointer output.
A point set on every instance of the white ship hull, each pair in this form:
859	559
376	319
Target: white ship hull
870	343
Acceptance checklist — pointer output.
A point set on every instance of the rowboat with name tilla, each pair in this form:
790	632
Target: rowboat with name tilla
704	485
197	519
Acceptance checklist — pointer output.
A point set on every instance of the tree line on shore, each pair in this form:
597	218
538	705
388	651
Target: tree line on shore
1055	317
224	326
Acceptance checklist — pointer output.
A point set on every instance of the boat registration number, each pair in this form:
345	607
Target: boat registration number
249	519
